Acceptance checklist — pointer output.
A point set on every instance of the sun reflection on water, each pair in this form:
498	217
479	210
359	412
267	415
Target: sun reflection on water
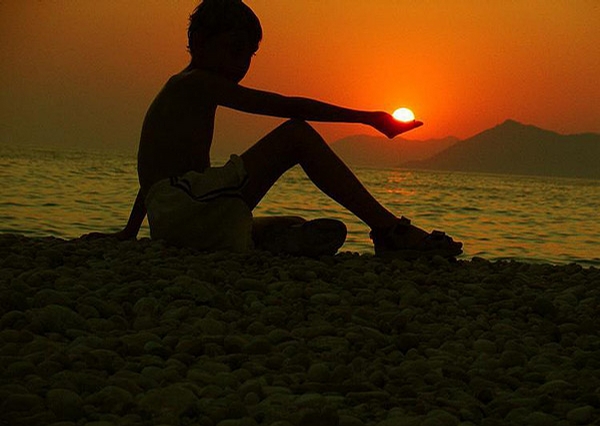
497	217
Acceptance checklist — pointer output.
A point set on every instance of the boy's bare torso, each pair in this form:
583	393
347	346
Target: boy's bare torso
176	134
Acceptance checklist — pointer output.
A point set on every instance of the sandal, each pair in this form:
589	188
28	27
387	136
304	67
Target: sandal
393	242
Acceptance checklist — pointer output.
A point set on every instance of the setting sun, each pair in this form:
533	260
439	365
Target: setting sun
403	114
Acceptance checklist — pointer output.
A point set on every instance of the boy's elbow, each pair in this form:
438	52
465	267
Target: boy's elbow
295	108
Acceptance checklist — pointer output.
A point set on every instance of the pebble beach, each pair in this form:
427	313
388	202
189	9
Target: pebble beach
102	333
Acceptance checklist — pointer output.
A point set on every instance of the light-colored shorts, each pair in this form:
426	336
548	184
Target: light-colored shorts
202	210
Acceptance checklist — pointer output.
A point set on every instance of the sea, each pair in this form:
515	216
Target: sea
69	193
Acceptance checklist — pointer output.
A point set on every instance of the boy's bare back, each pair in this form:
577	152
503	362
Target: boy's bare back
177	133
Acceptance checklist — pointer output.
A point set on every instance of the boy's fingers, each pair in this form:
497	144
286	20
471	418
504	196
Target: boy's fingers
414	124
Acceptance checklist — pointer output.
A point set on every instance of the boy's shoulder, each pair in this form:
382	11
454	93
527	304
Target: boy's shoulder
195	83
200	87
189	87
190	76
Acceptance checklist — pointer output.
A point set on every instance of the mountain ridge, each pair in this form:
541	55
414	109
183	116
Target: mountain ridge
376	151
507	148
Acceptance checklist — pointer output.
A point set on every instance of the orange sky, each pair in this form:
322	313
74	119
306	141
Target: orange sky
81	73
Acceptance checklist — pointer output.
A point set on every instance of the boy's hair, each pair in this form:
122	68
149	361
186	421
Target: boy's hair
213	17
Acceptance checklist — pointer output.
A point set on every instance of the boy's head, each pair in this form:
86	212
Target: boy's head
217	19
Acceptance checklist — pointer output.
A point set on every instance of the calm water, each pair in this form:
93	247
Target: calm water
67	194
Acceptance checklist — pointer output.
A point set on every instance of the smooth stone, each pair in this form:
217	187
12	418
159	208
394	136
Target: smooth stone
156	348
250	284
58	319
65	404
103	359
252	386
49	296
581	415
226	381
405	421
15	319
329	344
484	346
174	400
22	403
146	306
346	420
202	292
233	422
538	418
310	400
320	417
408	341
259	345
319	373
279	335
512	359
544	307
20	369
112	399
234	344
154	373
554	387
251	399
135	342
211	327
325	299
440	418
368	396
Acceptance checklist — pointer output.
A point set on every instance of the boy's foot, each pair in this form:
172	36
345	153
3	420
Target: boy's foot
406	241
311	238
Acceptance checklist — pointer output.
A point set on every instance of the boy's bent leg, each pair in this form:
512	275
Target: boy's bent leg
296	142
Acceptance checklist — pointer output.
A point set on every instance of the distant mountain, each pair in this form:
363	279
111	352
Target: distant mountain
373	151
515	148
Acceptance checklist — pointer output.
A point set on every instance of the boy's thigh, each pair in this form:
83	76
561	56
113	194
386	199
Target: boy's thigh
267	160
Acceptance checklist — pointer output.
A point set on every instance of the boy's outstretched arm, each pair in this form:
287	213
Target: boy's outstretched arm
203	84
136	217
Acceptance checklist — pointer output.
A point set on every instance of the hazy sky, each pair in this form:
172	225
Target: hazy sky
81	73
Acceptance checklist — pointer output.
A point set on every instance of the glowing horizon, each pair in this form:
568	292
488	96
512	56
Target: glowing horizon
84	73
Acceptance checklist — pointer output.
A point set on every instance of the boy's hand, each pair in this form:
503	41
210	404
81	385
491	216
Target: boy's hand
391	127
122	235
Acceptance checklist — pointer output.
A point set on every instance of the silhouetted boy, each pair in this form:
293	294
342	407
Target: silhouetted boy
190	203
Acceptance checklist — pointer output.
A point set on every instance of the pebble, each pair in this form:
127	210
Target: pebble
168	403
484	346
98	333
512	359
581	415
65	404
112	399
319	372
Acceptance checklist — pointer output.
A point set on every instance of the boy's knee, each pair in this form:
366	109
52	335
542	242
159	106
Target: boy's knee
301	130
295	124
